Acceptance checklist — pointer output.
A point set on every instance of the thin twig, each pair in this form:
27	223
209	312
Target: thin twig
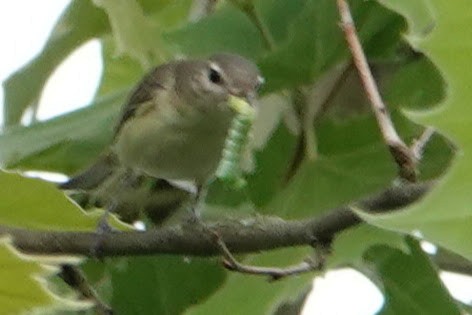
75	278
399	150
275	273
417	148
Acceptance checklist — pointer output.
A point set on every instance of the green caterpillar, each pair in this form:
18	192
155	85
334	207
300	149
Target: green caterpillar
229	168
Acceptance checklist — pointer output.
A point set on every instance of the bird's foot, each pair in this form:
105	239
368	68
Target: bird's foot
102	230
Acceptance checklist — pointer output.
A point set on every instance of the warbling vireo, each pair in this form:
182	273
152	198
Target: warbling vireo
172	128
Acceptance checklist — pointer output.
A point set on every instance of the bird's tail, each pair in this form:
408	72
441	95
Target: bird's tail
94	175
131	196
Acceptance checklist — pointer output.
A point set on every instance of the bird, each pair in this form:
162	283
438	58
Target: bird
171	131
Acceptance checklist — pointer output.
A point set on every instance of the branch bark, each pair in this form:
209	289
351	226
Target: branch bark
400	152
75	278
240	236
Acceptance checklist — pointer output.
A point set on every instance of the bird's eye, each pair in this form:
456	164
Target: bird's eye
214	76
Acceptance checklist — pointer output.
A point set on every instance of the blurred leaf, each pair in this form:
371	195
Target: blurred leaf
167	14
80	22
417	85
243	294
444	217
119	72
279	16
316	42
294	306
220	194
34	203
152	5
409	281
20	289
58	144
226	30
350	245
467	309
308	40
163	284
356	166
420	16
272	163
438	155
133	33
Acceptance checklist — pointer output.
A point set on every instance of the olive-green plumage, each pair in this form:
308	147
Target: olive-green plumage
173	127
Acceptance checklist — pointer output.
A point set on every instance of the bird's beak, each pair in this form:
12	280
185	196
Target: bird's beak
241	105
251	98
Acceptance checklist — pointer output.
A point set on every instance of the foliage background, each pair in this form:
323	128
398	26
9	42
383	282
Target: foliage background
306	52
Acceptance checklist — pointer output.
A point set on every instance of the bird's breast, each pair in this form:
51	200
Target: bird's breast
173	146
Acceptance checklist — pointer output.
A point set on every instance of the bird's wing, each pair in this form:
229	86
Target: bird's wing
158	79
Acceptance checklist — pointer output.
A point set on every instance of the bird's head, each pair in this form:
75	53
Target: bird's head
209	83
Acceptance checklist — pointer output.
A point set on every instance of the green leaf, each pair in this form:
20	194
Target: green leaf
122	71
417	85
420	16
243	294
307	39
162	285
275	158
409	281
119	72
133	33
34	203
316	42
168	14
58	144
80	22
279	16
354	165
226	30
350	245
443	217
21	290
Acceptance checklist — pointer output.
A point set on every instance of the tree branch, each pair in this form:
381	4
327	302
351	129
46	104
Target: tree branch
75	278
401	153
240	236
